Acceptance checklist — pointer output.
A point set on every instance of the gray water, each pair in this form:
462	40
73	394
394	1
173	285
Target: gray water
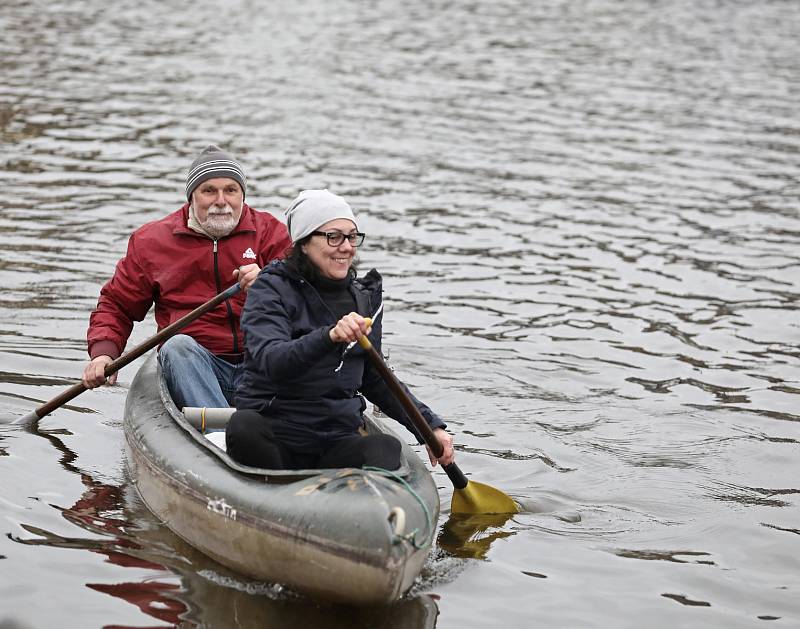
586	214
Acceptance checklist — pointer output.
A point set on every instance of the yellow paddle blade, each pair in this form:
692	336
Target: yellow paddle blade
479	498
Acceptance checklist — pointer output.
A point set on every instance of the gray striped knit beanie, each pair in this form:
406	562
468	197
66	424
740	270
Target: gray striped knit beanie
213	162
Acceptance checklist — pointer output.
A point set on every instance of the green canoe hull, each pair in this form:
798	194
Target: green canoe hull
348	535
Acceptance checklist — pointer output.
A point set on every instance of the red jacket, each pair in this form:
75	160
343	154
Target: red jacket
178	269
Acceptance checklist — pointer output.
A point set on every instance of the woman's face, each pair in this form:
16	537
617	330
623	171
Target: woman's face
332	262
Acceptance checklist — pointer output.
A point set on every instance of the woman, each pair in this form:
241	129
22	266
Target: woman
300	399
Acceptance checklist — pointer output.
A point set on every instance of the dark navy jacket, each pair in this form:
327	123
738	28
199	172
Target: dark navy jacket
307	385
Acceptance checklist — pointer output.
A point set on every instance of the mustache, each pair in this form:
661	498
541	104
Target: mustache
220	211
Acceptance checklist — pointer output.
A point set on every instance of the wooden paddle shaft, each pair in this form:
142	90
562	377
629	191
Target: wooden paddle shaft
411	409
139	350
456	476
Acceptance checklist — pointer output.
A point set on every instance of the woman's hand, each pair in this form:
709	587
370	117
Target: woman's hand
349	328
448	454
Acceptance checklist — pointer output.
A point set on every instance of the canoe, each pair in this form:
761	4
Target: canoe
352	536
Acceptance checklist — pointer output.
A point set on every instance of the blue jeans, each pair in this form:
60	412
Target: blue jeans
195	377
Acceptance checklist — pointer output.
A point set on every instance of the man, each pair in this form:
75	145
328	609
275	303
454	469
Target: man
178	263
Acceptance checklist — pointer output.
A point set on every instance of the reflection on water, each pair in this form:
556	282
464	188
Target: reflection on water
678	556
205	594
471	536
586	215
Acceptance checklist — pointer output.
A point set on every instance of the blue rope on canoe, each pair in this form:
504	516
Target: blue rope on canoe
410	537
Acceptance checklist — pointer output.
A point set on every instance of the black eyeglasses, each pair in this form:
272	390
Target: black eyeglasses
337	238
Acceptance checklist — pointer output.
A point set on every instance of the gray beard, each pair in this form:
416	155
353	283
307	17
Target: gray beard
217	225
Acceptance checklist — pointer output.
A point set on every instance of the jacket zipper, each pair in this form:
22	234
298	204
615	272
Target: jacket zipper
231	319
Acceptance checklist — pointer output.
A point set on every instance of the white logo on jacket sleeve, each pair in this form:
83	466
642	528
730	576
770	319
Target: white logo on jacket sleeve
249	254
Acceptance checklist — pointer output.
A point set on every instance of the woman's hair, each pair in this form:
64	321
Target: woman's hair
299	263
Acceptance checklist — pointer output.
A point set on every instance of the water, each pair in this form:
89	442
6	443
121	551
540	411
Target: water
586	214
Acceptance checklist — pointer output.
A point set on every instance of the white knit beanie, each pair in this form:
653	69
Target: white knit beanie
312	209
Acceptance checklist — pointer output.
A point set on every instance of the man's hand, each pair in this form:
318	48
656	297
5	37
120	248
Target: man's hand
95	373
246	275
448	454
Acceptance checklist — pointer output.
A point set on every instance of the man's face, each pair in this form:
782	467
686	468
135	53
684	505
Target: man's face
218	205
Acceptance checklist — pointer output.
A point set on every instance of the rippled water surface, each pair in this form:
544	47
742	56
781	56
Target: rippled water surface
586	212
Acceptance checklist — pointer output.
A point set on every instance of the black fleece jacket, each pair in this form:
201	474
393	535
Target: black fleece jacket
307	386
